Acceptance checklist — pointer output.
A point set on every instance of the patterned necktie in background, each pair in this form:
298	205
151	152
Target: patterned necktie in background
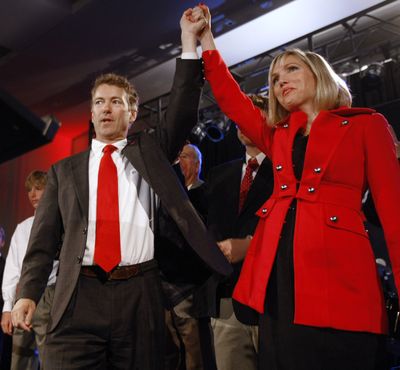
252	166
107	252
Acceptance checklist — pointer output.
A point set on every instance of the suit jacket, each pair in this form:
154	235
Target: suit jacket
335	278
225	221
62	217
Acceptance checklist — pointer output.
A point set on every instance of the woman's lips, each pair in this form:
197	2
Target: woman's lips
287	91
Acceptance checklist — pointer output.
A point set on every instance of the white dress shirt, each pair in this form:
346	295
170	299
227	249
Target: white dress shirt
13	267
137	204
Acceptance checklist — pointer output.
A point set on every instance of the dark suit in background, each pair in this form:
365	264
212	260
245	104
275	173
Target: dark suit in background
225	221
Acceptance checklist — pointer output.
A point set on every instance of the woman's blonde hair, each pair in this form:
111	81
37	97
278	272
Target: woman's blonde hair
331	91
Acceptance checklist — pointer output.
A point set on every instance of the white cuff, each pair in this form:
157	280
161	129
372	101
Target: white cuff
8	305
189	55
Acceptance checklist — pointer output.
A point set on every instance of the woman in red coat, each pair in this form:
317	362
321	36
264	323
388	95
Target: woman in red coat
310	270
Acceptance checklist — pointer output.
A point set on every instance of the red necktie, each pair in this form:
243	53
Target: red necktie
252	165
107	252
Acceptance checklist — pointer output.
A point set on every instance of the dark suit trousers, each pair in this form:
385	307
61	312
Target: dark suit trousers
111	325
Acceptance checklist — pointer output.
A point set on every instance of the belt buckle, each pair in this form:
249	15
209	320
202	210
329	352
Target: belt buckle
108	275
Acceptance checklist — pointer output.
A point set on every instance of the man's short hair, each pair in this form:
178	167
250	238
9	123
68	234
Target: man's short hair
259	101
197	154
119	81
36	178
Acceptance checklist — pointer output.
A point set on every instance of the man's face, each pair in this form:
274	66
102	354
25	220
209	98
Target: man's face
111	114
34	195
188	162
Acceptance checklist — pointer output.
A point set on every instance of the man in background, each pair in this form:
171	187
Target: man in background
190	160
24	342
235	191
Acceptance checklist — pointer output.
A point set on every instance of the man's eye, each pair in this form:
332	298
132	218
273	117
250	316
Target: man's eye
116	101
98	102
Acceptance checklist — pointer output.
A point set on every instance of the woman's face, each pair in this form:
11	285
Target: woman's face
294	84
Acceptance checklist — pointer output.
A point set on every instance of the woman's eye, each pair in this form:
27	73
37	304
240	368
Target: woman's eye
292	68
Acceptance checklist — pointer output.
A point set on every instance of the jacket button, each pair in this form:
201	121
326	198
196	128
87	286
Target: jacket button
345	122
264	211
284	187
311	189
278	167
79	259
286	125
333	218
317	169
84	231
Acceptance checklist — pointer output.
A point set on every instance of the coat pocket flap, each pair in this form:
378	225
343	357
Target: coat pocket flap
266	208
344	218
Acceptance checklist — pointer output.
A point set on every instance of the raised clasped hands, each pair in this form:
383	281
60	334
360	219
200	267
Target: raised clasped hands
195	20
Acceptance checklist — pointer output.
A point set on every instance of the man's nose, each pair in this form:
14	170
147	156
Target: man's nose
106	106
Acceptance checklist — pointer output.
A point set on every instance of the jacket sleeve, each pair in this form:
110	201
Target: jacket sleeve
182	111
234	103
383	175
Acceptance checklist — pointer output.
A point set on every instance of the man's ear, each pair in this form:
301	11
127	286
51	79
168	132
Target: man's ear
133	115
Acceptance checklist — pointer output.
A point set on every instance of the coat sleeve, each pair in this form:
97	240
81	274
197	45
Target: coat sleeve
235	104
383	175
182	111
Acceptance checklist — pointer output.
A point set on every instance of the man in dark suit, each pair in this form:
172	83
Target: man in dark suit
232	220
100	213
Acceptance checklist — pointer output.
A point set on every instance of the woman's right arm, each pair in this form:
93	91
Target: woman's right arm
232	101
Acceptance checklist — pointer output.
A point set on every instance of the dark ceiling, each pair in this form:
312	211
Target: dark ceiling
50	50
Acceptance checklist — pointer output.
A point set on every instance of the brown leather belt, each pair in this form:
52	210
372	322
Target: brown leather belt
120	272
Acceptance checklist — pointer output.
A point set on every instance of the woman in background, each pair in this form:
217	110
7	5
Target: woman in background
310	270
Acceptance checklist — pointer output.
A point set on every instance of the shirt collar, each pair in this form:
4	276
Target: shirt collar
98	146
260	157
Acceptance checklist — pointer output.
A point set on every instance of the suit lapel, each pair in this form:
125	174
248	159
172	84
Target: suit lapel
133	153
80	178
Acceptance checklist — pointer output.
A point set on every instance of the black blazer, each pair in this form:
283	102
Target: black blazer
61	219
224	221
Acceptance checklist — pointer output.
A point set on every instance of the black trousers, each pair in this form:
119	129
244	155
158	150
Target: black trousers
110	325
